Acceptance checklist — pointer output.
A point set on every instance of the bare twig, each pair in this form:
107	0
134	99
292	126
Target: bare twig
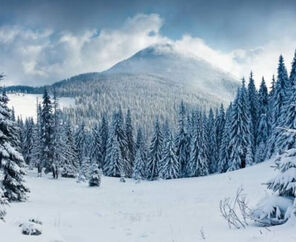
235	212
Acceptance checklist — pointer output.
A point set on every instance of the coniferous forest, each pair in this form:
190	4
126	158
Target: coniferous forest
246	132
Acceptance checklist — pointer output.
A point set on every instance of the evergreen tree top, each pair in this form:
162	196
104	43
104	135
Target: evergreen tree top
293	71
282	78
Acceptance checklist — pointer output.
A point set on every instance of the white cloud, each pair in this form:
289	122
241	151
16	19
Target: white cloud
43	56
262	60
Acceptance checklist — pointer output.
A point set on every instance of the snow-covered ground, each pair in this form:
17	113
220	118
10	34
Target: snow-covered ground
160	211
25	104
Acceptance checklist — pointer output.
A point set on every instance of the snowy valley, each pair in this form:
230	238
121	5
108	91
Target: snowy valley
173	210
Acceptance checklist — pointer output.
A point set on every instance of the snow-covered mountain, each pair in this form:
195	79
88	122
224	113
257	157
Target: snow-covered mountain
164	61
151	82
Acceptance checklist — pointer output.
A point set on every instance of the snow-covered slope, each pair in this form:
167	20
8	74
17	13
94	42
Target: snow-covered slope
165	61
25	105
166	211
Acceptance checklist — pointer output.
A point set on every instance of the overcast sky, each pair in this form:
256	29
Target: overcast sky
45	41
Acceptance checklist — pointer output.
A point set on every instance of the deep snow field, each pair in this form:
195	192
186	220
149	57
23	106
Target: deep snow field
159	211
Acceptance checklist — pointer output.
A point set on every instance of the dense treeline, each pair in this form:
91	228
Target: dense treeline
205	142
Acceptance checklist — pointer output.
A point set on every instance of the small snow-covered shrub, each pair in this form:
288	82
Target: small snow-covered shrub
35	220
81	178
95	178
272	210
31	228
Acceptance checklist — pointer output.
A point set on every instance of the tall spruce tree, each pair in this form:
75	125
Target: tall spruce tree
47	124
69	156
254	111
141	157
155	152
36	160
11	159
58	131
28	141
224	154
240	132
169	165
203	159
182	140
287	140
80	142
212	149
116	163
104	139
130	138
219	127
278	103
198	162
263	126
96	149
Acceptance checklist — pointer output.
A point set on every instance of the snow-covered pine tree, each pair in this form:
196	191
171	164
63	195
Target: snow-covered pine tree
84	169
21	133
115	162
155	151
278	103
104	139
210	134
271	98
47	132
292	77
12	161
70	162
219	127
224	153
263	128
189	130
169	165
95	149
130	138
286	140
240	132
13	114
95	177
198	161
28	140
203	161
58	131
120	134
36	160
181	140
80	141
254	111
141	157
278	208
194	145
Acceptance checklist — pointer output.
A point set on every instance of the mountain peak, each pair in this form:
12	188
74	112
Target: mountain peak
156	50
